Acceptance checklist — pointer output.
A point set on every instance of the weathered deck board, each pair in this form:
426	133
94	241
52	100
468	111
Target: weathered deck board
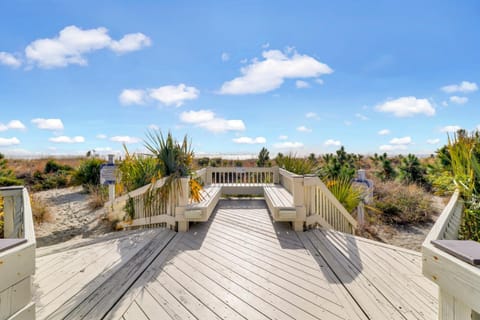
242	265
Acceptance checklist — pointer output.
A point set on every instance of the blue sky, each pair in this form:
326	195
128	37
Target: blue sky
235	76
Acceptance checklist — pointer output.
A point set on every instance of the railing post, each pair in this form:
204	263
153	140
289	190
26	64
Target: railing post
276	175
298	193
183	223
208	176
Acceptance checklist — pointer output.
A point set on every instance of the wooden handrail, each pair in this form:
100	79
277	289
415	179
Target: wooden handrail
458	281
17	262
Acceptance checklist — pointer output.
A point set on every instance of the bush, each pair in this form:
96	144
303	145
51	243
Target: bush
137	171
41	211
402	204
441	183
295	165
98	196
7	177
88	173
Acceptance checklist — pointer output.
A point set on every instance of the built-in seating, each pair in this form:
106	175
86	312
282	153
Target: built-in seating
280	203
279	200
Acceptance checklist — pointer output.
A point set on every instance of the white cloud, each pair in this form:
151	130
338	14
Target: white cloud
458	100
304	129
331	142
225	56
125	139
174	95
266	45
132	96
312	115
319	81
407	107
72	43
444	103
361	116
101	136
288	145
208	120
464	87
433	141
153	127
66	139
5	142
9	59
401	141
388	147
300	84
13	124
283	137
248	140
384	132
269	74
450	129
48	124
130	42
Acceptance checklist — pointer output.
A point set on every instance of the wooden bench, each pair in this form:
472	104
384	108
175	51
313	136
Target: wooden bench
280	203
202	210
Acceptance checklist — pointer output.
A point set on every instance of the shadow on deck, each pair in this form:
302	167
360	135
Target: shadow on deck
241	265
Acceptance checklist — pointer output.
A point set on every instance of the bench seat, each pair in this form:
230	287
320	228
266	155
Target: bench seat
243	188
201	211
280	203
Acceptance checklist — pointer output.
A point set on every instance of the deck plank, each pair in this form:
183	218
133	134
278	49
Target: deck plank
242	265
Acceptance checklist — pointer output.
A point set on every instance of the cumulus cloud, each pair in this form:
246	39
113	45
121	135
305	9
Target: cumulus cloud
331	142
407	107
300	84
288	145
248	140
401	141
312	115
304	129
174	95
384	132
125	139
389	147
10	60
433	141
132	96
48	124
225	56
464	87
73	43
450	129
208	120
101	136
130	42
458	100
66	139
13	124
444	103
319	81
361	116
153	127
269	74
5	142
283	137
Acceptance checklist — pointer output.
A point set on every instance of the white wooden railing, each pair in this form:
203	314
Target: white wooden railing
314	203
17	256
241	175
324	209
458	281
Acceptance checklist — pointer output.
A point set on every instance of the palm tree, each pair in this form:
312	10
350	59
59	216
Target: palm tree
410	170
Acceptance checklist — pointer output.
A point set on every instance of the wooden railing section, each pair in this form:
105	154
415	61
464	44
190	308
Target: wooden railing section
17	256
314	203
324	209
458	281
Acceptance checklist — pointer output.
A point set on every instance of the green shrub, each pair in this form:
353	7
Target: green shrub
7	177
295	165
345	192
137	171
441	182
402	204
88	173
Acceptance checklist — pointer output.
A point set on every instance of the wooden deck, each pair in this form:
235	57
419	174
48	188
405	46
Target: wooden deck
238	265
